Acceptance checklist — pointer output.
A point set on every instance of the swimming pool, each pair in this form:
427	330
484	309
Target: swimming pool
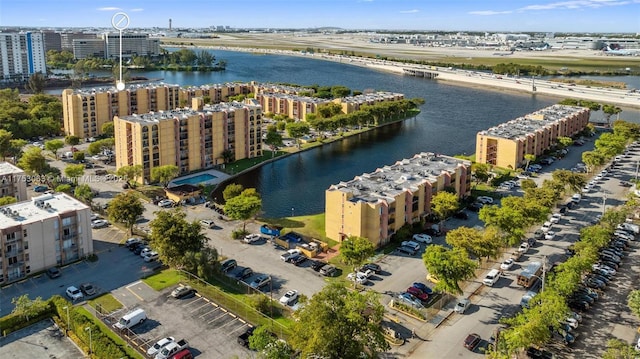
204	177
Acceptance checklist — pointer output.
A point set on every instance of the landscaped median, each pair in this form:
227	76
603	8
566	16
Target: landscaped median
253	308
408	310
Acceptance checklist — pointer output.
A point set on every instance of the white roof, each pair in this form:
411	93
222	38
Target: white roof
39	208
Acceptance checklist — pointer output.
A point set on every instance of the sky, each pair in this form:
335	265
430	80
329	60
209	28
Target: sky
583	16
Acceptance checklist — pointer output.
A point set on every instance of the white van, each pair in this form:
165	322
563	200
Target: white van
491	278
131	319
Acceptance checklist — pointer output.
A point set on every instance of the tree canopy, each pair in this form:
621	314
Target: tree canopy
450	266
173	237
164	174
126	208
354	251
243	206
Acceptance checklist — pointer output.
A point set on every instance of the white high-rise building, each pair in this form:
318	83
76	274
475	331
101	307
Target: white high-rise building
22	55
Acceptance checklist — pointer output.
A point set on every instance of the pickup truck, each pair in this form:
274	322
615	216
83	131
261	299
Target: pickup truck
172	348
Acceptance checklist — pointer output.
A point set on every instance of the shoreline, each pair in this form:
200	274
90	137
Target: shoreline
522	85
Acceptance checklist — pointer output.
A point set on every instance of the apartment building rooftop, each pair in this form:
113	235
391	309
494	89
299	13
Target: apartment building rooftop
387	182
155	117
7	168
306	99
130	87
270	87
38	208
529	124
374	96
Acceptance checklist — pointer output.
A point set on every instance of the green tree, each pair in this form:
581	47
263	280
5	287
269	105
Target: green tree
202	263
478	243
618	349
338	323
297	130
273	140
228	156
5	143
164	174
610	110
7	200
633	301
232	190
108	129
32	161
15	149
444	204
65	188
72	140
592	159
574	181
172	236
27	308
78	156
74	171
481	172
565	141
243	207
130	174
36	83
529	157
126	208
450	266
101	145
84	193
261	338
354	251
54	146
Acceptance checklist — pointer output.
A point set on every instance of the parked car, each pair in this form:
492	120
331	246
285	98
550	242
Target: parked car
408	250
155	348
165	203
316	265
461	215
422	238
289	297
410	299
132	242
53	272
372	266
74	293
298	260
252	238
151	256
244	273
243	339
462	305
411	244
207	223
183	291
418	293
551	235
423	287
472	341
328	270
358	278
260	281
524	247
228	265
507	264
87	289
286	256
485	199
99	223
40	189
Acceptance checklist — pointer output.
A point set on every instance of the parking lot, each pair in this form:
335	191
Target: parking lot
40	340
210	329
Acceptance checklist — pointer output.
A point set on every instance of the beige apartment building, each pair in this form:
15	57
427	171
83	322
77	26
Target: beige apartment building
86	110
506	145
375	205
354	103
13	182
49	230
191	139
293	106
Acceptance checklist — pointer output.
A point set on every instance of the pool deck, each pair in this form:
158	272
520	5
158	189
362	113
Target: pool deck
219	177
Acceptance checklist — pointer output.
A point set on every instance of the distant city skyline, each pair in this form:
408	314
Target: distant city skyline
583	16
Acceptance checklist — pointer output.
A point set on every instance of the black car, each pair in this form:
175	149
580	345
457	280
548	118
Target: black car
372	266
610	264
603	273
138	249
243	339
594	283
299	259
316	265
244	273
578	305
475	207
133	246
538	354
53	272
599	277
432	232
609	258
583	297
407	250
87	289
563	210
461	215
588	291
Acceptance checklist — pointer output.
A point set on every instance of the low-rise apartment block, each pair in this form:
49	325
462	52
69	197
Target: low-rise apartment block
49	230
13	182
191	139
293	106
375	205
507	144
354	103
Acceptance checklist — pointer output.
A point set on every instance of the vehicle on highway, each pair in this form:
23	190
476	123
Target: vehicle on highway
507	264
422	238
74	293
87	289
155	348
260	281
289	297
462	305
472	341
183	291
252	238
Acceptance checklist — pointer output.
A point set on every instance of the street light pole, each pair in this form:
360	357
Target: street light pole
90	340
68	322
604	202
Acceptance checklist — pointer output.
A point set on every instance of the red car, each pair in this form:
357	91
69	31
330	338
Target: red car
417	293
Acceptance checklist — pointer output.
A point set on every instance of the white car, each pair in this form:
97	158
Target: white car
551	235
422	238
99	223
524	247
485	200
250	238
546	227
155	349
604	268
145	251
555	218
289	254
166	203
367	272
74	293
507	264
411	244
359	278
576	198
94	216
572	322
289	297
151	256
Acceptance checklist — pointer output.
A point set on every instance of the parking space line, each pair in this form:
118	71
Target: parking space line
208	312
200	307
240	328
233	321
213	320
134	293
191	302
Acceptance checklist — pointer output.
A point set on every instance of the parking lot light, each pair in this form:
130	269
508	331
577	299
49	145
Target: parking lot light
90	339
68	322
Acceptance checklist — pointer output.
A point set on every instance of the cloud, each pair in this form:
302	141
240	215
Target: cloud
109	8
137	9
489	12
413	11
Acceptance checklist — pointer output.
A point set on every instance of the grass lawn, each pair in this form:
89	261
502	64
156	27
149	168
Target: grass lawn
106	303
164	279
310	226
